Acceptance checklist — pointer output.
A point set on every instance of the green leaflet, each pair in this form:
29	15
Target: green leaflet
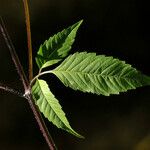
99	74
50	106
58	46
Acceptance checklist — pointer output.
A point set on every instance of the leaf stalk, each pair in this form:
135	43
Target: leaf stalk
37	76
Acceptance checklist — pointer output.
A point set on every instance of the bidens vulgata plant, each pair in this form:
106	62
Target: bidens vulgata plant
87	72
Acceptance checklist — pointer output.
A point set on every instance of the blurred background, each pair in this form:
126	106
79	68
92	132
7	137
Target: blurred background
111	27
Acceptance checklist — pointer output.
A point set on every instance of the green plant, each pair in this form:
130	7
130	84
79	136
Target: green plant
82	71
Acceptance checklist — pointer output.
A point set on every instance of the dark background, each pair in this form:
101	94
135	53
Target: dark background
111	27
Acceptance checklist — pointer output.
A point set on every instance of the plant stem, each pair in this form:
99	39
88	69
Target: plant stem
29	41
41	123
14	55
27	87
10	90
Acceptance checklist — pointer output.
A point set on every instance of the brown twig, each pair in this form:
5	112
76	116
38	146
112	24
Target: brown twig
41	123
27	88
14	55
29	41
10	90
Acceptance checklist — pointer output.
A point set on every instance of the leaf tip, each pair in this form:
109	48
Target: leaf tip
78	24
77	135
81	21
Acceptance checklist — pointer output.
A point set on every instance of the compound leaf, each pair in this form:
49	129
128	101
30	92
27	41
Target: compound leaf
50	106
57	46
99	74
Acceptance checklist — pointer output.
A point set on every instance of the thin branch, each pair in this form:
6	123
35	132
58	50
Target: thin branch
10	90
14	55
36	112
41	123
27	88
28	28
